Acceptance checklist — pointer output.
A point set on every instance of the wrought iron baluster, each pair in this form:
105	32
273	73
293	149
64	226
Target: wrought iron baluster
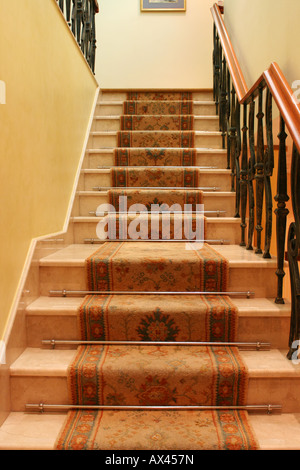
217	73
232	133
281	211
237	157
251	175
293	253
244	177
259	167
268	172
223	103
228	118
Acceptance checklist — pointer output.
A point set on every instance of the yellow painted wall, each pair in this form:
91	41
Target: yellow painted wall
49	97
154	50
263	32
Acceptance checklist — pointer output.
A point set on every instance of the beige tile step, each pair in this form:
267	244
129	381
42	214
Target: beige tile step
108	139
113	123
65	269
116	108
205	157
218	228
87	202
121	95
40	376
260	320
24	431
213	178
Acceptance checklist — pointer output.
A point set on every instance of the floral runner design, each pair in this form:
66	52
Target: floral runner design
153	226
156	139
163	266
153	198
160	123
160	96
154	157
157	430
157	376
158	107
164	177
163	318
157	130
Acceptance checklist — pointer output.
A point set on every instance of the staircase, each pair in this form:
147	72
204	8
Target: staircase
40	374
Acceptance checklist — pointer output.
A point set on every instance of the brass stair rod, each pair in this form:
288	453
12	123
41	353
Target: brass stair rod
221	242
157	188
42	407
257	345
160	212
65	293
158	167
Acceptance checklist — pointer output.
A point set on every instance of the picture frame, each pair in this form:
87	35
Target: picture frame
163	5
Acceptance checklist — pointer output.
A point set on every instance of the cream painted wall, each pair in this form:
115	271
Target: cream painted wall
50	92
154	50
263	32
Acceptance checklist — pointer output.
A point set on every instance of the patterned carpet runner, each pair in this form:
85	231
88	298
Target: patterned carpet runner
157	130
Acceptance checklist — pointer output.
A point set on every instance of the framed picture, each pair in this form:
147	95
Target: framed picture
163	5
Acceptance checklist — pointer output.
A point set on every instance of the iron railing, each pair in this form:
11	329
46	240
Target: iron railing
252	163
80	16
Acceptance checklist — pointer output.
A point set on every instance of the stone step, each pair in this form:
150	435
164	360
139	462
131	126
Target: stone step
212	178
248	271
27	431
116	108
121	95
88	201
39	375
113	123
217	228
108	139
105	157
260	320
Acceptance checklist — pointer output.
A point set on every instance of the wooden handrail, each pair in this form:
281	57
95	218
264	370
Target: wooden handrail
273	78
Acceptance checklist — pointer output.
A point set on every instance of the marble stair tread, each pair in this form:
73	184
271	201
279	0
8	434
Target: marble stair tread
45	362
218	171
247	307
26	431
75	255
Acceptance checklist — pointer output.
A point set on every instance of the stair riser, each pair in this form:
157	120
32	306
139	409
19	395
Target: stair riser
116	109
215	231
241	279
88	181
212	202
65	327
97	141
53	390
105	158
108	124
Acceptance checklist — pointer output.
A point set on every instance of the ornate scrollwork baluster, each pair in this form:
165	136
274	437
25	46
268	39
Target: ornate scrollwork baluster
228	114
244	177
232	134
237	158
223	104
217	73
251	175
293	253
281	211
259	171
268	172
